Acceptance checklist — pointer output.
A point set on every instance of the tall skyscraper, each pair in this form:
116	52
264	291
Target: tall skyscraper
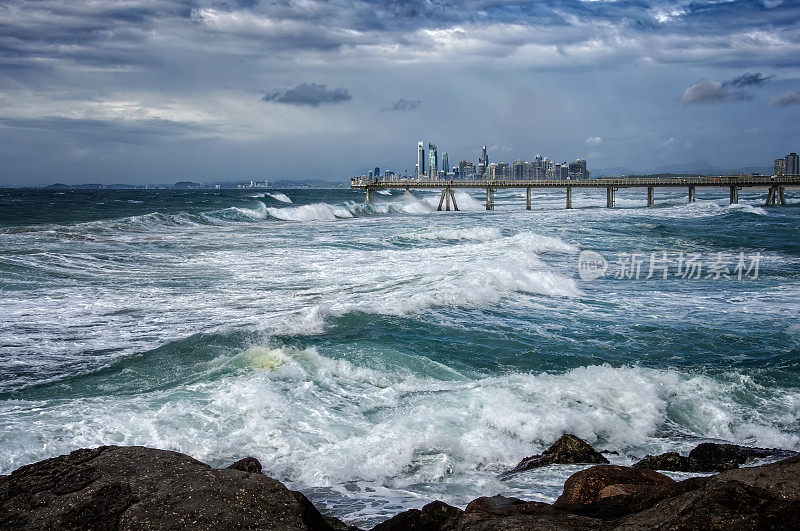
433	161
792	164
420	159
483	162
466	170
445	162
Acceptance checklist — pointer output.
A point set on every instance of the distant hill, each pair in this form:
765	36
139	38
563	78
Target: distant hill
186	185
699	167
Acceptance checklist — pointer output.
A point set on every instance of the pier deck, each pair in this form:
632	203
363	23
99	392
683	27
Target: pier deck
734	183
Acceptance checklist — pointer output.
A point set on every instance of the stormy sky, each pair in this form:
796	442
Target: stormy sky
145	91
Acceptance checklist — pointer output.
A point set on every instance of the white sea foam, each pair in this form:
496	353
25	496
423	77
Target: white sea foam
283	198
320	421
312	212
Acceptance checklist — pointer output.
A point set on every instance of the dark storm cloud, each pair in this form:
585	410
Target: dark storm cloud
710	91
748	80
402	104
310	94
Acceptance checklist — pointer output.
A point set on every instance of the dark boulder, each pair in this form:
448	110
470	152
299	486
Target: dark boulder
610	491
674	462
433	517
248	464
762	497
568	449
733	453
142	488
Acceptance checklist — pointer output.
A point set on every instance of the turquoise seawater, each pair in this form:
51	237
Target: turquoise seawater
380	356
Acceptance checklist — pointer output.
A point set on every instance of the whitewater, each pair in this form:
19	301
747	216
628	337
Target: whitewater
377	357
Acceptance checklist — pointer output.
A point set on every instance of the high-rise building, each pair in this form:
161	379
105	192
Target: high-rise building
420	159
577	169
780	167
433	161
792	164
519	170
483	162
445	162
377	172
466	170
499	170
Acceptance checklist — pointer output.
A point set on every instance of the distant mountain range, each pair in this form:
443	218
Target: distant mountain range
699	167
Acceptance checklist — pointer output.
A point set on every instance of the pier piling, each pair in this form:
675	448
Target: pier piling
734	195
691	194
528	198
489	198
650	196
569	196
610	197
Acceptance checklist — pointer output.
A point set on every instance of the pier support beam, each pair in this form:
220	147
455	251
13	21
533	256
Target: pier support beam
447	195
650	196
775	196
489	198
370	195
569	197
691	194
734	195
528	198
610	196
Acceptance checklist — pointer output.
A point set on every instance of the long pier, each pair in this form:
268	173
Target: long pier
734	183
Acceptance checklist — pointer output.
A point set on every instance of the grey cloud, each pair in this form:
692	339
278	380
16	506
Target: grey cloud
310	94
402	104
710	91
748	79
109	131
790	97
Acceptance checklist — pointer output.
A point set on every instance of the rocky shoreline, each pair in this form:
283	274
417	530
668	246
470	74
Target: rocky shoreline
115	487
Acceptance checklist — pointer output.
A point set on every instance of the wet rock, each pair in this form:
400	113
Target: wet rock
763	497
495	505
568	449
142	488
248	464
675	462
610	491
433	517
733	453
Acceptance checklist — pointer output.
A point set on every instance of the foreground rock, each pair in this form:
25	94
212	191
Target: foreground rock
142	488
568	449
762	497
710	457
496	513
733	453
674	462
610	491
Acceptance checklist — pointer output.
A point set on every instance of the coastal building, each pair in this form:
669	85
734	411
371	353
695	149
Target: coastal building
499	170
518	170
779	168
577	169
445	163
792	164
433	161
466	170
420	159
483	163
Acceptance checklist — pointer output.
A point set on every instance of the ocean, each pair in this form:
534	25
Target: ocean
377	357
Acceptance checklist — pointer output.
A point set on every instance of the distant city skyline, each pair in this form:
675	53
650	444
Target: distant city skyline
169	90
